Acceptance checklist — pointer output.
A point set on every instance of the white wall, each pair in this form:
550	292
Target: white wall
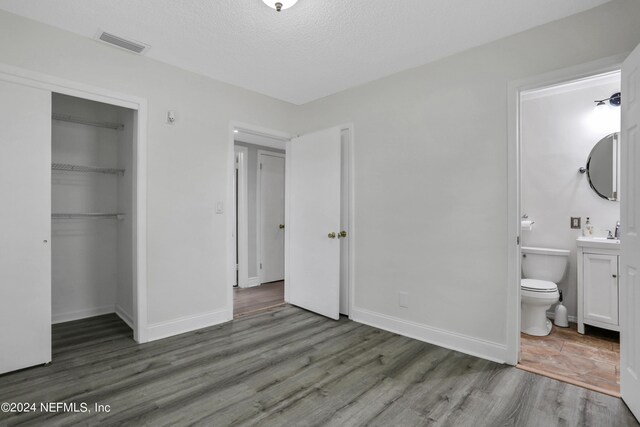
431	177
559	128
188	162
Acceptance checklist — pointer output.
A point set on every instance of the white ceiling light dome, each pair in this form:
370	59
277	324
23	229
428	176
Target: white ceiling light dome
280	4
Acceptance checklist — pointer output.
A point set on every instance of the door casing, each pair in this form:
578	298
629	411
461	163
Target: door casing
285	136
513	273
139	105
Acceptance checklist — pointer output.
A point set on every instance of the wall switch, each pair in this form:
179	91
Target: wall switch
403	299
171	117
219	208
575	222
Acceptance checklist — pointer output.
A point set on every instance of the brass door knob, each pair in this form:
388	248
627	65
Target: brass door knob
332	235
342	234
281	226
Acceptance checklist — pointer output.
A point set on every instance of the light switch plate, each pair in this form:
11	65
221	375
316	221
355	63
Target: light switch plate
219	207
575	222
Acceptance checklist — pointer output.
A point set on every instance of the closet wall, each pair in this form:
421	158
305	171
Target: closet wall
91	256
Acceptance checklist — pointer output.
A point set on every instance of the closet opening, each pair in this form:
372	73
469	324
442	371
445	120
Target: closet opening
92	212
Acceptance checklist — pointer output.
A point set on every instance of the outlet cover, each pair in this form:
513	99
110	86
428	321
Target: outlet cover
575	222
403	299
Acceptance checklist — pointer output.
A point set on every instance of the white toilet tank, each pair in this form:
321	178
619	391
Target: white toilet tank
544	264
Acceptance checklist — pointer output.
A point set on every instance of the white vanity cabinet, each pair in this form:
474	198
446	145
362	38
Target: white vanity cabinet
598	286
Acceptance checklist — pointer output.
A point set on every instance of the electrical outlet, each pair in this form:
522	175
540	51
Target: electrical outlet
575	222
403	299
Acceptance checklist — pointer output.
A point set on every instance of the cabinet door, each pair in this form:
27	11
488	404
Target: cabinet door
601	288
25	226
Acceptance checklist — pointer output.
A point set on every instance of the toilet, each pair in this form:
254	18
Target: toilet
542	269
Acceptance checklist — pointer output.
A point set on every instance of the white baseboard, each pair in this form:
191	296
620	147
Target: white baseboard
187	324
81	314
126	317
462	343
251	282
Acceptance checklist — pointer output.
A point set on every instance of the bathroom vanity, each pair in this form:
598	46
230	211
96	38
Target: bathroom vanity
598	283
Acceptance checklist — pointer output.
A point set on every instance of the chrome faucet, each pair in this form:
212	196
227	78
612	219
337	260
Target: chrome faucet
617	234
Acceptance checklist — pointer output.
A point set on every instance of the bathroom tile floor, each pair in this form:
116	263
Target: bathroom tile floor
591	360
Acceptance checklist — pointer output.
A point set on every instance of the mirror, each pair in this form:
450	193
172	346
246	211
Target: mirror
602	167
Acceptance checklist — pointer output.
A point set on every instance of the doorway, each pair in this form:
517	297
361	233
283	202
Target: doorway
565	123
92	204
259	221
273	155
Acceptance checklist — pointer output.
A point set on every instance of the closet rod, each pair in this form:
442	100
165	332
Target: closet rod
87	215
80	120
77	168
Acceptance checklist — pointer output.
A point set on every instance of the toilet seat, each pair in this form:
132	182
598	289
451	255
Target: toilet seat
538	286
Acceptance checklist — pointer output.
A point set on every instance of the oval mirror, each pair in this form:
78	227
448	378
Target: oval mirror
602	167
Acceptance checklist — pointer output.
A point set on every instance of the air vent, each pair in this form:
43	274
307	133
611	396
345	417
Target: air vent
130	45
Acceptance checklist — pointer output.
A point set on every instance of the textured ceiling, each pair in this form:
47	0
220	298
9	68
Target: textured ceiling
314	49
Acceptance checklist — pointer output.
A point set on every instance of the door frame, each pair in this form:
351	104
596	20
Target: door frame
514	91
285	137
140	106
259	230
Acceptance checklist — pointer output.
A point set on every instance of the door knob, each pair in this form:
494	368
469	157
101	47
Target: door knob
281	226
615	275
332	235
342	234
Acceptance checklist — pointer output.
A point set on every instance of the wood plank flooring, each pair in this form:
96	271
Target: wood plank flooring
251	300
290	367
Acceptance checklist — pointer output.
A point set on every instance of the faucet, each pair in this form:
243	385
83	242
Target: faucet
617	234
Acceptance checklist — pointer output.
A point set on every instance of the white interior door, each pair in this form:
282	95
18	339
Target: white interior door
313	222
630	239
271	218
25	226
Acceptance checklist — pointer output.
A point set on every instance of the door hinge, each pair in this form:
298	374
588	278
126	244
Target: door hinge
518	240
260	166
260	266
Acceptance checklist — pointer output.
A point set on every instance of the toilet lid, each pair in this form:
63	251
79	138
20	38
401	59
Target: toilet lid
535	285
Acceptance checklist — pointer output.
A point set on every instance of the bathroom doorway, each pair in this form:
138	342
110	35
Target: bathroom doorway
566	184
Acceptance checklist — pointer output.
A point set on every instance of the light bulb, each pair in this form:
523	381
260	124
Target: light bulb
280	4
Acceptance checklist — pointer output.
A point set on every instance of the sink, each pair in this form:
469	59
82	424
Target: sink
598	242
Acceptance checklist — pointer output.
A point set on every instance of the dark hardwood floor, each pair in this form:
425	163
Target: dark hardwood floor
258	298
289	367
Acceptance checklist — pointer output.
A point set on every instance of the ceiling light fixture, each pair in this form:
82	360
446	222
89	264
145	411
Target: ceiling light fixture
280	5
614	100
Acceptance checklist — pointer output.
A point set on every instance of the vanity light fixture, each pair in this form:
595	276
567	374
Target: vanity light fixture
614	100
280	5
